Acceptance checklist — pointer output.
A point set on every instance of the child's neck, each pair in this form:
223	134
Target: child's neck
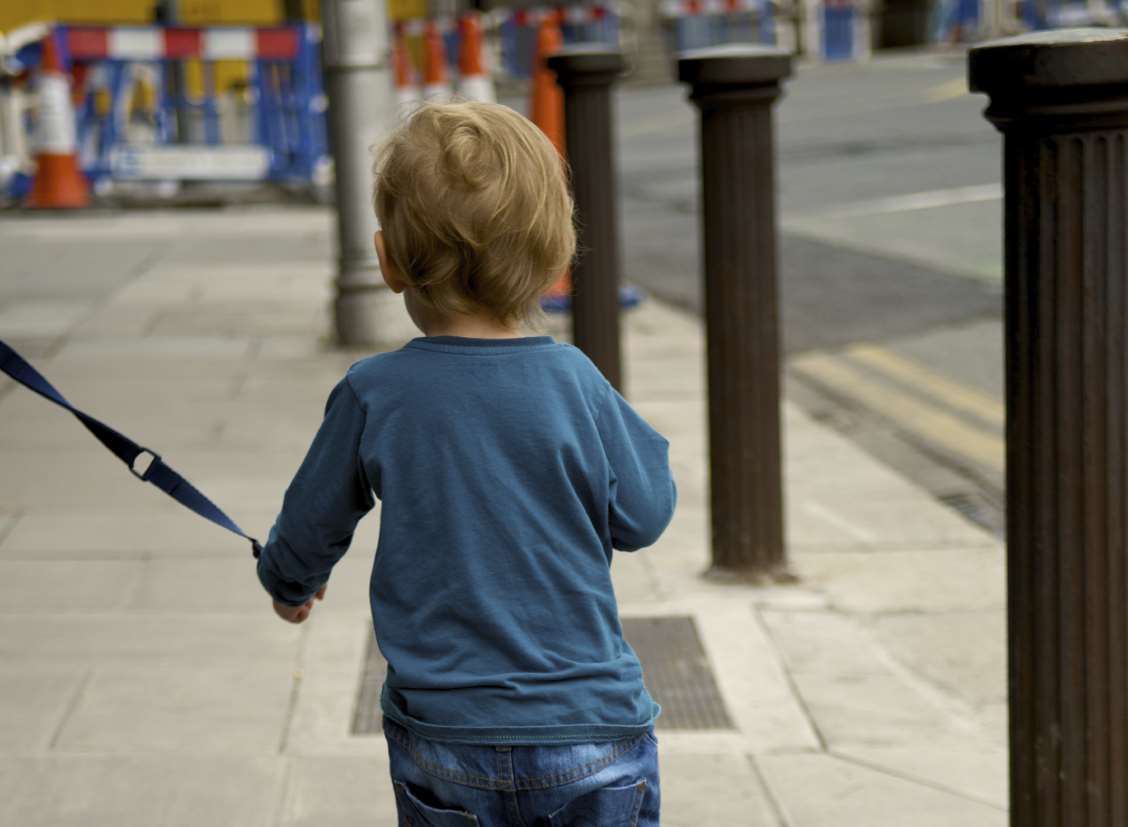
470	326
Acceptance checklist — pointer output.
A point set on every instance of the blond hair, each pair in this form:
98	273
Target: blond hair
474	204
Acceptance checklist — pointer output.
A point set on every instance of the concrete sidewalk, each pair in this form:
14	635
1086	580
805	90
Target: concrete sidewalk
144	679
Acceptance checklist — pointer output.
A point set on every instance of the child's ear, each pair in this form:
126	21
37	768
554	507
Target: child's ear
391	274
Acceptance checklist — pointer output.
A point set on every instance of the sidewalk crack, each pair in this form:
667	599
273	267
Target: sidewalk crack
924	782
72	705
295	691
769	793
792	686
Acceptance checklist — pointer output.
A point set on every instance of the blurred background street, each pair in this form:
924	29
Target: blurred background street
890	260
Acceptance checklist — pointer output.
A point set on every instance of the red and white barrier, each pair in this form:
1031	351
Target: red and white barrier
577	15
152	43
693	8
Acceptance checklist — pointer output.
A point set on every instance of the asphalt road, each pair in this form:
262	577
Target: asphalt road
890	259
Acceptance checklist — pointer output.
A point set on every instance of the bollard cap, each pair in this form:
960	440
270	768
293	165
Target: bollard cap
586	62
734	66
1046	63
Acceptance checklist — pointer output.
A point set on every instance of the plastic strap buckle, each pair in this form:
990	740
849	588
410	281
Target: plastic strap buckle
144	475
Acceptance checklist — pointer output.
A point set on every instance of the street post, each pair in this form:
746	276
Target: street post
735	89
361	103
1060	100
586	74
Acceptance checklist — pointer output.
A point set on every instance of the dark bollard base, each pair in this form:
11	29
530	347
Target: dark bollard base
778	576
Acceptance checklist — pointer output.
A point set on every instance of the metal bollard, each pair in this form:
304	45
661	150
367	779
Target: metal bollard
361	103
585	73
1061	101
735	88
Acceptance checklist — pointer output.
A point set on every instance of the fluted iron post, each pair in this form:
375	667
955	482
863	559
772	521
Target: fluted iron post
735	89
1061	101
586	74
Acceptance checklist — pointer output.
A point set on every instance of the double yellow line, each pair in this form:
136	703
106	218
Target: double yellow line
954	417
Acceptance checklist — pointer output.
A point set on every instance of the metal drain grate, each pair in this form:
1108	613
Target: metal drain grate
677	672
367	717
674	662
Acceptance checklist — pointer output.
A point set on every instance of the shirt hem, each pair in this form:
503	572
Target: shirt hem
481	347
537	734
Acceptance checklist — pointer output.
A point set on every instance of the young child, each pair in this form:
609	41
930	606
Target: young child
508	469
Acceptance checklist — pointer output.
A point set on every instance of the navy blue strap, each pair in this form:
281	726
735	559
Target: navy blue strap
128	451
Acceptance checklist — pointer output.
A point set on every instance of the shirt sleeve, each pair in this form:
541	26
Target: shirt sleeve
643	493
324	502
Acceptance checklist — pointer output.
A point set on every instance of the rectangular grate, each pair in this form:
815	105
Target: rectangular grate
677	672
674	662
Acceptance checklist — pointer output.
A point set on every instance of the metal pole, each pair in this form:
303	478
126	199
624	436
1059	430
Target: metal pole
586	73
167	13
735	88
361	103
1061	101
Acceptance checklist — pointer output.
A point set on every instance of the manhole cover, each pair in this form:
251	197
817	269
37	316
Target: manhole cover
674	662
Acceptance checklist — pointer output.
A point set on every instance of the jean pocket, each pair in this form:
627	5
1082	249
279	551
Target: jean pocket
414	813
651	736
605	807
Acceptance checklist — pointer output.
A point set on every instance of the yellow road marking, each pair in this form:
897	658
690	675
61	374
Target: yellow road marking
920	418
913	373
955	88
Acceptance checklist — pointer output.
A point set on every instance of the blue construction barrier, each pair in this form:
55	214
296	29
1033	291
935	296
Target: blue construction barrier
839	21
135	120
698	24
517	31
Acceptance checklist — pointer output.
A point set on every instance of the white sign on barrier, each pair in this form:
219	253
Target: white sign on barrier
190	163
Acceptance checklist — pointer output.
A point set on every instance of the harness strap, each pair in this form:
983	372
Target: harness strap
155	471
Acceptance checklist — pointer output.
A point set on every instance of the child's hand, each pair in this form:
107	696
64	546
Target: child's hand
296	614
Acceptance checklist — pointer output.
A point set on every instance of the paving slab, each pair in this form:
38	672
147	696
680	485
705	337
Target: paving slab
7	523
713	789
36	700
230	584
634	578
163	638
40	317
218	707
819	790
975	768
849	518
332	663
339	791
964	653
89	477
873	710
170	790
907	581
134	531
161	350
42	586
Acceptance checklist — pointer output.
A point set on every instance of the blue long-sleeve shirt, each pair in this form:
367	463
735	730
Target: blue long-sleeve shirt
508	470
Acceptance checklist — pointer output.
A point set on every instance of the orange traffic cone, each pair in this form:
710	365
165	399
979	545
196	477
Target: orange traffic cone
547	105
58	184
547	111
407	79
435	85
474	82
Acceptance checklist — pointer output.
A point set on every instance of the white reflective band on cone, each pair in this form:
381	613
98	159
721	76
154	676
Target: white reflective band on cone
477	88
55	129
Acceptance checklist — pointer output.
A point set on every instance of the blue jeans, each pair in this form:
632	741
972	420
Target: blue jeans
606	784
